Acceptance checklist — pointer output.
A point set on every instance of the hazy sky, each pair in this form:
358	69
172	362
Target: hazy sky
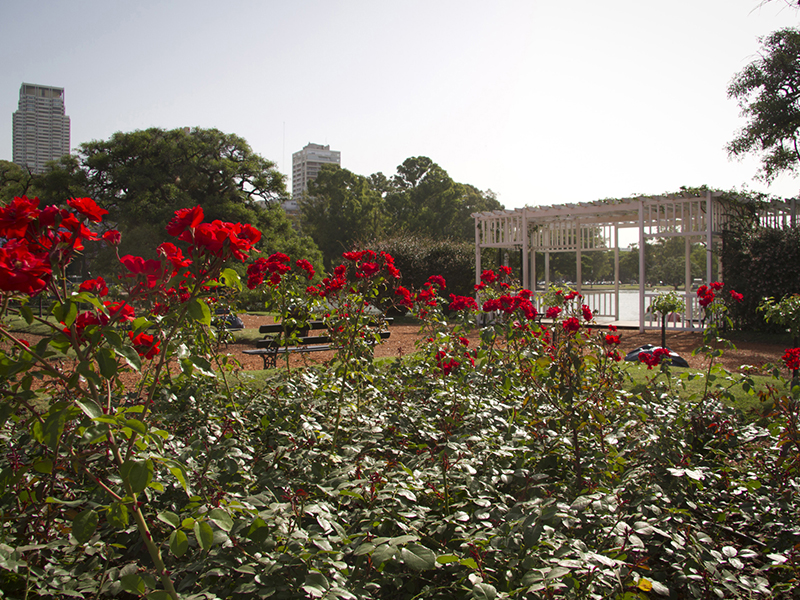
541	101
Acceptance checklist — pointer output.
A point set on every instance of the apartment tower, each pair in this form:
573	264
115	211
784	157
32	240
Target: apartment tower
306	165
41	127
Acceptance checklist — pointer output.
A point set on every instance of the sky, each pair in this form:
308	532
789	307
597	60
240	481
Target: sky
542	102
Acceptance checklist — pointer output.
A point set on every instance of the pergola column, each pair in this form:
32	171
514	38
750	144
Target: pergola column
641	266
616	273
578	261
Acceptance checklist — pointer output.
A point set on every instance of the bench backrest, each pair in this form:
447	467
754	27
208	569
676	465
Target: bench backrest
278	327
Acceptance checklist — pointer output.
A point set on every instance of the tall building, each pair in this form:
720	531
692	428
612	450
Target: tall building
41	127
306	165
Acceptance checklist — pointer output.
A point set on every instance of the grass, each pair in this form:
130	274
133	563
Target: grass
690	384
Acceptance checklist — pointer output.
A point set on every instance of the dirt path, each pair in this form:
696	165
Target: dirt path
404	337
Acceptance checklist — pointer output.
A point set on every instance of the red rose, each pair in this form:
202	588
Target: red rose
491	305
112	237
185	219
553	312
307	267
437	280
96	286
352	256
174	255
88	208
587	313
145	345
791	358
15	216
462	303
367	269
571	325
22	270
488	276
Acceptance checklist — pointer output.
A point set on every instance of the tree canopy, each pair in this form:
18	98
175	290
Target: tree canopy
143	177
341	209
420	200
768	92
14	181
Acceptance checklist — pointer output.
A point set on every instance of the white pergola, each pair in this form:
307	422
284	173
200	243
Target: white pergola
595	226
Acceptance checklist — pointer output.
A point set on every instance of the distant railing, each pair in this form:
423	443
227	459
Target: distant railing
602	302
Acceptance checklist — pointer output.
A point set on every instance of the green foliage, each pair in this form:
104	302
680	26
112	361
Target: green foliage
143	177
343	210
340	211
501	462
664	304
418	258
785	312
14	181
768	92
759	263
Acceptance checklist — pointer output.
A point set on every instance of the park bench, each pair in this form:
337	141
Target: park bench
277	341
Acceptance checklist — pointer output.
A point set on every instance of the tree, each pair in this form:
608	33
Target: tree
768	92
340	210
15	181
424	200
143	177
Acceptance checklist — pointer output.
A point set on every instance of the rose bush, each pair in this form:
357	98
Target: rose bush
505	459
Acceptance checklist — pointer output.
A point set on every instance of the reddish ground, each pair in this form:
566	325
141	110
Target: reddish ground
403	338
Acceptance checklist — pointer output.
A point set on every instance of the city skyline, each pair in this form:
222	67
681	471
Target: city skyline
541	102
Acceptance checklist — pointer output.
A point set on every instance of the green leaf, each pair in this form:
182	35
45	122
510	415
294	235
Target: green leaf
65	312
6	410
316	584
221	519
141	323
170	518
137	426
158	595
178	543
113	338
259	531
383	553
50	431
199	311
107	362
138	473
179	472
203	365
26	313
231	279
204	534
133	584
364	548
130	355
418	557
446	559
84	525
44	465
89	407
483	591
117	515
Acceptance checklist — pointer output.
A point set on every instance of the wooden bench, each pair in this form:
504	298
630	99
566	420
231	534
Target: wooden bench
277	341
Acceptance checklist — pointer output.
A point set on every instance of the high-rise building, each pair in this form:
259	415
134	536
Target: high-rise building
306	165
41	127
